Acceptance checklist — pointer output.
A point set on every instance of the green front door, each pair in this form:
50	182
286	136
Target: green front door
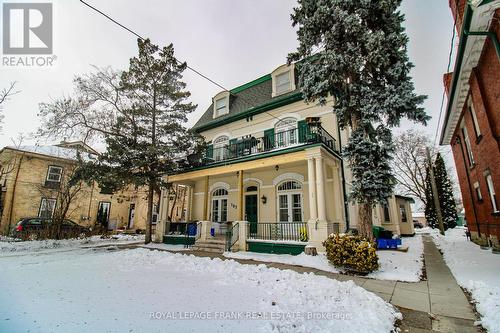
251	212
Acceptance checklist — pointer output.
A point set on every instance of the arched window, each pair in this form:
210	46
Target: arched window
286	132
290	201
289	185
221	148
219	205
251	189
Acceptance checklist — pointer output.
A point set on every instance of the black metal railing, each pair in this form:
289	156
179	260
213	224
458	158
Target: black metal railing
246	146
232	236
190	229
278	231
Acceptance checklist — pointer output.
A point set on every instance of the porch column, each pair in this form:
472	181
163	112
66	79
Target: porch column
190	203
320	188
311	177
205	200
240	195
163	210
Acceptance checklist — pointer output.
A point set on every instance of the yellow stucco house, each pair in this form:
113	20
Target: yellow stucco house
272	177
31	178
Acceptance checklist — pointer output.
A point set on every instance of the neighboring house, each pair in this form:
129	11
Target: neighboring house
420	217
32	178
272	161
472	119
396	215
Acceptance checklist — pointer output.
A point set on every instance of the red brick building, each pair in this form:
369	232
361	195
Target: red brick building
472	120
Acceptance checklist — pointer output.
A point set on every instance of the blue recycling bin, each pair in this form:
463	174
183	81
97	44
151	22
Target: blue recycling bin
191	230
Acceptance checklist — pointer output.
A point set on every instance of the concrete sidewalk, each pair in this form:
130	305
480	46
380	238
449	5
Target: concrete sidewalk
435	305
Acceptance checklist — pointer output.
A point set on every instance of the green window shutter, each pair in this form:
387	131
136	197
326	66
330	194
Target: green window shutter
303	131
269	139
233	148
210	151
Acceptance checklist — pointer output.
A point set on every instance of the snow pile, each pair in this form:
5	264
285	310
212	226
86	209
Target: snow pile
394	265
8	244
153	291
401	266
319	262
476	270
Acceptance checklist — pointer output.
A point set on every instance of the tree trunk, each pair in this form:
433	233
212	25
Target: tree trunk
365	221
150	213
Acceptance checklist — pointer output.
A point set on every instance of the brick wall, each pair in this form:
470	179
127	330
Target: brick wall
485	97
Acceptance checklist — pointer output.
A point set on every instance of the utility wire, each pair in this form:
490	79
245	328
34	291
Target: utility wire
178	61
447	71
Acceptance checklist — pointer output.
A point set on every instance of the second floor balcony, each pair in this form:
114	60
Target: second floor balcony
221	151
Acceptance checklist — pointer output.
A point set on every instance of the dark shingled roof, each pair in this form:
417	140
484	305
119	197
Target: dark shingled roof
245	97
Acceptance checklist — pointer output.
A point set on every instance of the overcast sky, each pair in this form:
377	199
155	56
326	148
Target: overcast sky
231	41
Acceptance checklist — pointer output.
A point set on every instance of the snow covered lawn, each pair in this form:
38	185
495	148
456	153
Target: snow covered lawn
141	290
394	265
476	270
8	244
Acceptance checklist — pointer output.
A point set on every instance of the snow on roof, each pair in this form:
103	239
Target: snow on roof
418	214
53	151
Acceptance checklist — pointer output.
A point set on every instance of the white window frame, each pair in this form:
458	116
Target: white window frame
220	148
472	111
286	132
219	197
43	204
491	192
58	173
220	111
468	146
279	72
289	193
477	189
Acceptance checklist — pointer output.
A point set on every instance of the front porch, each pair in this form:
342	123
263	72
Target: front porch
263	205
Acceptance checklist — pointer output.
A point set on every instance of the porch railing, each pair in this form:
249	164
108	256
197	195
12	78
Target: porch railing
310	134
278	231
198	230
232	236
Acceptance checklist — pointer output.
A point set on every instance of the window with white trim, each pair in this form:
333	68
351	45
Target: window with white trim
283	82
402	211
477	189
290	201
474	118
387	215
219	205
221	148
47	207
54	173
286	132
491	191
221	106
468	146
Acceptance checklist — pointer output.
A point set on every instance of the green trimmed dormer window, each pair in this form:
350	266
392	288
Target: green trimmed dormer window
221	104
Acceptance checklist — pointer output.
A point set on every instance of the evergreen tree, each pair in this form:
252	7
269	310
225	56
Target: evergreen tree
140	113
361	59
445	196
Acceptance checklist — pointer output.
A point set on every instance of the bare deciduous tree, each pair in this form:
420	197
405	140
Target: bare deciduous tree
409	163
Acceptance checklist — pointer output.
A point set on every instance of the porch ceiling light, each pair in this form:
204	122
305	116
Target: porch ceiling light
263	199
277	167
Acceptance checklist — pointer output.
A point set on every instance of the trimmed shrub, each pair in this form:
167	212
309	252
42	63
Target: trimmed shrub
353	253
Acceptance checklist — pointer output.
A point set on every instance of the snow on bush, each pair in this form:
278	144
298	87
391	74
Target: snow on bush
351	252
476	270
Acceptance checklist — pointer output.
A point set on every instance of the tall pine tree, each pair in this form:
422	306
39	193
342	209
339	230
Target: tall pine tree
140	113
445	196
355	50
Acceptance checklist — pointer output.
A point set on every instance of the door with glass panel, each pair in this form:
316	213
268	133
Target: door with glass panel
219	205
289	209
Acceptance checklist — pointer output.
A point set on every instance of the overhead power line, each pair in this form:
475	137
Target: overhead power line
447	71
177	60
